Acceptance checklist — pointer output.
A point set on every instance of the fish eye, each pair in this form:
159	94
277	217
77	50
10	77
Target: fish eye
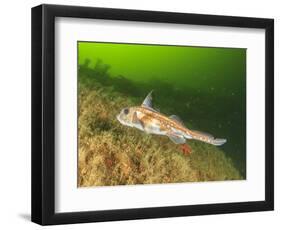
126	111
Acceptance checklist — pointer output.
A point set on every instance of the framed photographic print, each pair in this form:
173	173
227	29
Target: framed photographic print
142	114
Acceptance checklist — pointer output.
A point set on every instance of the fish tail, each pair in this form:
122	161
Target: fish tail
208	138
218	141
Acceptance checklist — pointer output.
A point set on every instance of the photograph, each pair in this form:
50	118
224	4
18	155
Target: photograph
158	114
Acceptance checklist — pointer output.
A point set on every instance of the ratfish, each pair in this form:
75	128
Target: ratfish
151	121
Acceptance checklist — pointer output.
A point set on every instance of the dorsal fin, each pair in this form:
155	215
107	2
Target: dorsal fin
148	101
177	119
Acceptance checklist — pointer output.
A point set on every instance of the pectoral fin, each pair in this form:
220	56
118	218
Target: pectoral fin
137	121
176	139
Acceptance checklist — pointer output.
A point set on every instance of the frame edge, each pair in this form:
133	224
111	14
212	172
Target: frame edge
36	114
269	113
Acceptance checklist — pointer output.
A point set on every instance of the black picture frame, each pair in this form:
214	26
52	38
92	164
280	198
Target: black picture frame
43	114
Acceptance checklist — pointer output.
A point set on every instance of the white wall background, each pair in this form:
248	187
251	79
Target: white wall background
15	114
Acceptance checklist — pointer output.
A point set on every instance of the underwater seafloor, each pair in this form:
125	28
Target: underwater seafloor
112	154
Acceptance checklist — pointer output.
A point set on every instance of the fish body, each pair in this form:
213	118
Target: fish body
151	121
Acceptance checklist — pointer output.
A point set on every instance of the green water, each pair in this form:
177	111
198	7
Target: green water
205	86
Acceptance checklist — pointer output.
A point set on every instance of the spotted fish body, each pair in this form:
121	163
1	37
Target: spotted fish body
147	119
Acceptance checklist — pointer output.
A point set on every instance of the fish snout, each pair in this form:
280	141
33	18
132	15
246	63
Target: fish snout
118	117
